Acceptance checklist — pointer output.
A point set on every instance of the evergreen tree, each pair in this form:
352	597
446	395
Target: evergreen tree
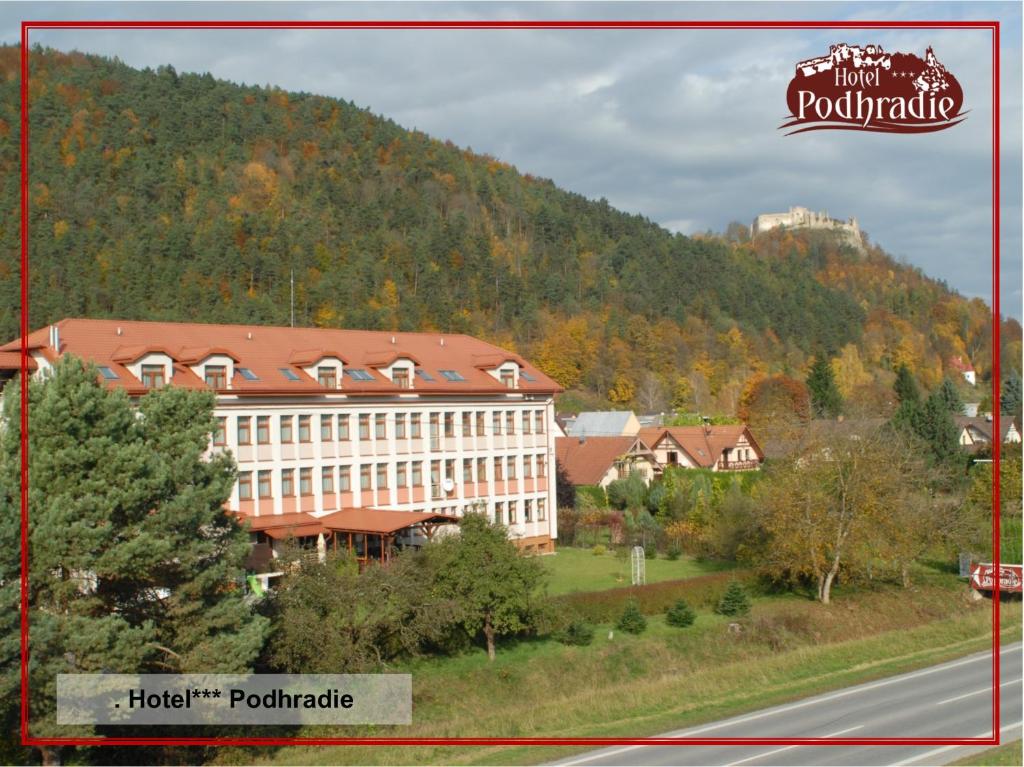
123	507
632	620
905	386
950	397
1010	397
680	615
826	401
734	602
936	427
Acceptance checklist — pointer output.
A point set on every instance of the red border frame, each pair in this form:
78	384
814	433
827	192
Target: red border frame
27	740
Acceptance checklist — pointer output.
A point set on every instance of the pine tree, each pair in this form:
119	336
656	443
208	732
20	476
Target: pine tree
950	397
905	386
826	401
632	620
123	507
734	602
680	614
1010	397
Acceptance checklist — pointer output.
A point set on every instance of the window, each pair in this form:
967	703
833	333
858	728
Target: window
499	513
511	467
400	426
365	477
451	375
263	479
417	474
402	475
263	429
289	374
287	482
325	428
305	481
496	422
499	469
344	478
508	379
424	375
327	376
449	469
358	374
526	376
107	373
512	512
380	426
673	457
481	469
216	376
528	510
449	424
245	486
526	422
435	421
527	467
244	430
542	465
327	479
467	424
304	431
510	422
400	377
152	376
247	374
435	474
480	423
364	426
343	426
414	426
538	421
541	510
285	429
467	469
382	476
220	434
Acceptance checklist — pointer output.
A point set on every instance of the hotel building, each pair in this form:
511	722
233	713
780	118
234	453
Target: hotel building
333	424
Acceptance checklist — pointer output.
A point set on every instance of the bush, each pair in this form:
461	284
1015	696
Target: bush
680	614
632	620
599	550
674	551
734	602
651	552
578	633
591	496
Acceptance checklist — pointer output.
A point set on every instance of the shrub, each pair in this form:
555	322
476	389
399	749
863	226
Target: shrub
598	550
579	633
651	552
674	552
632	620
734	602
680	614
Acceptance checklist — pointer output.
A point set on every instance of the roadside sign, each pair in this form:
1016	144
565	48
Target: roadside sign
1011	577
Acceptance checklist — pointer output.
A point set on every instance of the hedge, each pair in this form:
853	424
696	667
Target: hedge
595	493
654	598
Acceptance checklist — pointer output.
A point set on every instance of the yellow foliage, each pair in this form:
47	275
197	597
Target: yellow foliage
623	390
60	228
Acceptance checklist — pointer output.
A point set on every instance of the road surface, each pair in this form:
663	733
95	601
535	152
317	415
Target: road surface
946	701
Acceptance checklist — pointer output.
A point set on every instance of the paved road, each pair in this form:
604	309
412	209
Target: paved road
949	700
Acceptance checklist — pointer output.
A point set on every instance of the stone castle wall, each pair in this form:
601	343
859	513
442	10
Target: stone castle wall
802	218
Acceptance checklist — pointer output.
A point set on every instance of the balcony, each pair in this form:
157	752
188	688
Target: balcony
738	465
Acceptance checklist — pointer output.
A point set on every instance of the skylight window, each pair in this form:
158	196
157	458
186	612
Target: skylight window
424	374
451	375
107	373
526	376
248	375
358	374
290	374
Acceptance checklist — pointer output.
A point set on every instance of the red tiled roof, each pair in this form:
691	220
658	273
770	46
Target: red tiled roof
586	462
379	521
12	361
704	446
265	350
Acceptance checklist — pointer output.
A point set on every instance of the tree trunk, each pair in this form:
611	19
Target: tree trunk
826	589
50	755
905	572
489	636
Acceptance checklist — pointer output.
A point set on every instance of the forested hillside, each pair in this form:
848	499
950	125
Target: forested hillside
159	195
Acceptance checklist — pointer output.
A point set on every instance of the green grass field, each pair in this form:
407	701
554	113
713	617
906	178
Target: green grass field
665	678
574	569
1007	754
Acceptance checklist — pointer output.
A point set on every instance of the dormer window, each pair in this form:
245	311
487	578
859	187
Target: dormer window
216	376
401	378
327	376
508	378
153	376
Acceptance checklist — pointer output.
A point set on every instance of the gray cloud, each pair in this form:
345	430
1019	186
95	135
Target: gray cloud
678	125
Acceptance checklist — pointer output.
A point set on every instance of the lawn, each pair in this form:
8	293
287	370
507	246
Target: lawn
575	569
1006	754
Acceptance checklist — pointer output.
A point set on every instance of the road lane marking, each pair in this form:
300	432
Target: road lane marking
944	749
976	692
793	706
787	748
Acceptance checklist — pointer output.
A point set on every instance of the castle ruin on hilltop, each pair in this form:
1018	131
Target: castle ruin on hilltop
802	218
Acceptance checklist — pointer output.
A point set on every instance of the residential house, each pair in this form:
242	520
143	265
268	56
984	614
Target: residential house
602	460
607	423
976	433
729	447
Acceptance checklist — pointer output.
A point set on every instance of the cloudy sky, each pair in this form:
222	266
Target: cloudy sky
678	125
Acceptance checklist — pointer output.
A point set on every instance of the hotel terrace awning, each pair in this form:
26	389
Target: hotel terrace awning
383	521
281	526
